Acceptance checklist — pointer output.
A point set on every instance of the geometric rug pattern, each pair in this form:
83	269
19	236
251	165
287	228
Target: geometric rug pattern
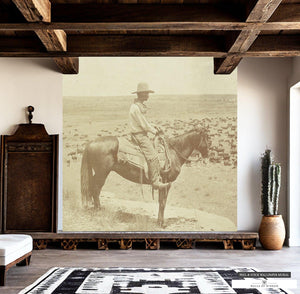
143	281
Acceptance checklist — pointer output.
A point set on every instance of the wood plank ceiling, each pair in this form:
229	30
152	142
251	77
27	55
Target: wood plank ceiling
226	30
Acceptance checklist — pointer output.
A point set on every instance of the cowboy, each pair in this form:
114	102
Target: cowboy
139	128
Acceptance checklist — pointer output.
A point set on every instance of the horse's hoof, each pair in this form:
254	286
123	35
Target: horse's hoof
160	224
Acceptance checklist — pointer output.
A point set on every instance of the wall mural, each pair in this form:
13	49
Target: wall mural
149	144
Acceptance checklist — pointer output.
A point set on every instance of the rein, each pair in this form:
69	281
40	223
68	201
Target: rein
182	156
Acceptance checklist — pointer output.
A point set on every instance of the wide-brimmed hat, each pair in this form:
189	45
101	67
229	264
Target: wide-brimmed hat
142	87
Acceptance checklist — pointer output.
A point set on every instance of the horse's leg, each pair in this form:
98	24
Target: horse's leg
163	195
104	167
95	193
98	182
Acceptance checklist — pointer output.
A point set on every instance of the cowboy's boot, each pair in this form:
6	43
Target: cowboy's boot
154	168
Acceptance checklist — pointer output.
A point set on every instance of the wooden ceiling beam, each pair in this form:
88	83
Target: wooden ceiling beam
120	45
135	26
151	27
53	40
226	65
68	65
261	12
34	10
243	42
132	45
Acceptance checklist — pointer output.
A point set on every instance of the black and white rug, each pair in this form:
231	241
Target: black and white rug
143	281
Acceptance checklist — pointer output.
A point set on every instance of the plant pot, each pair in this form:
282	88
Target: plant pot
272	232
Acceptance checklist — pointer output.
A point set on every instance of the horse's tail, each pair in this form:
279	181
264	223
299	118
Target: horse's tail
86	174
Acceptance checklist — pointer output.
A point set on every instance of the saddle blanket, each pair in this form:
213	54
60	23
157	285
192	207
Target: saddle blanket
131	153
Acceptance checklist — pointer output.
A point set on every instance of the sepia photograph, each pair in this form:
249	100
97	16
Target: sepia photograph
149	144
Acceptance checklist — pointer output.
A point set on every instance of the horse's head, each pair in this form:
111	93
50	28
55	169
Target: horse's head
203	146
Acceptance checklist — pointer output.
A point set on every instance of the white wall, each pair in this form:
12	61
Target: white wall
33	82
294	167
294	155
295	72
262	123
262	117
26	82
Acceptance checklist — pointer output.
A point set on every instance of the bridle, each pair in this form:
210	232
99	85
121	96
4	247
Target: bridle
203	136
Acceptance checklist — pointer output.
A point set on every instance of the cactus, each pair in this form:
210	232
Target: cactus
271	179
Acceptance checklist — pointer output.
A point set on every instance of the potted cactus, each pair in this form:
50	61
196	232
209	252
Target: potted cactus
271	230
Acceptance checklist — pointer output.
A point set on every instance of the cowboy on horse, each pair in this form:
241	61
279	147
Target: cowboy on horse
139	129
110	153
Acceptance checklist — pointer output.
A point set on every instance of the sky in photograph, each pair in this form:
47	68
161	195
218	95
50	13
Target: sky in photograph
119	76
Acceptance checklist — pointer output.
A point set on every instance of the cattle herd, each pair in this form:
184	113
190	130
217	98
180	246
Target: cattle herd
222	133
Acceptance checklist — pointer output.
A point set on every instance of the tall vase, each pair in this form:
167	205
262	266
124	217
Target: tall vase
272	232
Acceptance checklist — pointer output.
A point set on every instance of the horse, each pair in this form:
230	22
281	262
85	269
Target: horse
100	157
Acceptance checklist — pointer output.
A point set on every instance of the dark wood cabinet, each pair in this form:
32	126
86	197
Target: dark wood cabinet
29	180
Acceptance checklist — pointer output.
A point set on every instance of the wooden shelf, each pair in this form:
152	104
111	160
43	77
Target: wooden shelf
152	240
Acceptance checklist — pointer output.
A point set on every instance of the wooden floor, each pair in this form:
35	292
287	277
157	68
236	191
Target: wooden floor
287	259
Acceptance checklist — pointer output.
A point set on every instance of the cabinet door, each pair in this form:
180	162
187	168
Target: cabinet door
29	184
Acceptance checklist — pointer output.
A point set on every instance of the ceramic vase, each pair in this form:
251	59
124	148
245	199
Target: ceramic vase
272	232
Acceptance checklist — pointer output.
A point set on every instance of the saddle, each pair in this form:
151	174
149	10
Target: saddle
130	152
